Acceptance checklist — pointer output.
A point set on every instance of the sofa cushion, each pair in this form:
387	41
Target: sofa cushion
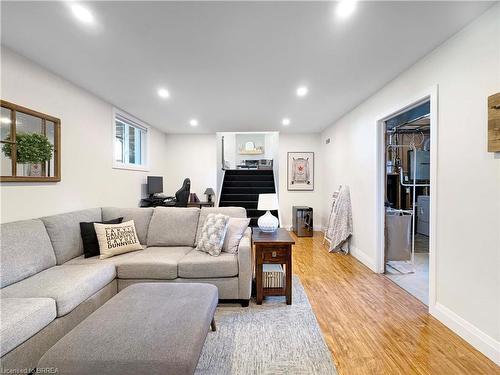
22	318
26	250
239	212
152	263
64	232
96	260
198	264
141	217
67	285
173	226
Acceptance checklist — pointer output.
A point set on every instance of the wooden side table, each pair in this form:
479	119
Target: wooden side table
273	248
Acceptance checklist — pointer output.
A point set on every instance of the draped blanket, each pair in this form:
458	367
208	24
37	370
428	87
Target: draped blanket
340	228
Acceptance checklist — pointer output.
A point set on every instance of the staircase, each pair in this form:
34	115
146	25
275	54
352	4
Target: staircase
241	188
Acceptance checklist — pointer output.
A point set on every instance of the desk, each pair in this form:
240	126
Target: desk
200	204
155	202
160	202
273	248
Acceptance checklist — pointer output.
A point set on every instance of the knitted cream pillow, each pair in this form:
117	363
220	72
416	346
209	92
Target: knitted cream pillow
116	239
213	233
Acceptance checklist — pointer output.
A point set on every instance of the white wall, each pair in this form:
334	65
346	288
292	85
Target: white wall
233	142
230	150
193	156
88	179
315	199
283	143
258	139
467	70
271	141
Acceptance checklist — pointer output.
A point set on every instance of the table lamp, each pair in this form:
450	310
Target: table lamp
209	192
267	222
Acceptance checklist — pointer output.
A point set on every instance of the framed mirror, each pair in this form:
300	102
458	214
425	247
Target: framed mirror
30	145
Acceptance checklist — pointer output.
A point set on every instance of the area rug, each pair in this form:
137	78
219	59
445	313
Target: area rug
272	338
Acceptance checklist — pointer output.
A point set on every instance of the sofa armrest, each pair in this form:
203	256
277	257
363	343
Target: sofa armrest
245	265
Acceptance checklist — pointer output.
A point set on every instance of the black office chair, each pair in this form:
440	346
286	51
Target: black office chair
181	196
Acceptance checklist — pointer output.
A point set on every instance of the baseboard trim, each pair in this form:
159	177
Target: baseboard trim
363	258
470	333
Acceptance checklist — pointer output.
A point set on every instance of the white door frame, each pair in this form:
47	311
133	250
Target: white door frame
431	95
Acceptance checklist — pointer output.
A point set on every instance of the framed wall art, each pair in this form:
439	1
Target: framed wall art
300	171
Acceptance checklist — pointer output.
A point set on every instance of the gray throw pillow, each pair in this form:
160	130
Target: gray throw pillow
213	234
235	230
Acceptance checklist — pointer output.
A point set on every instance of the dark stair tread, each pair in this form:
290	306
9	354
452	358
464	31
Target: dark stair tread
247	190
240	197
253	212
241	188
242	172
256	177
244	204
245	183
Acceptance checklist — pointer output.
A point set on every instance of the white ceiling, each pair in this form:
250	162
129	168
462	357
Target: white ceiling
232	65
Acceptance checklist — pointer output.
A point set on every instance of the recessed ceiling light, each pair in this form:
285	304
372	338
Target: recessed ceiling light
163	93
302	91
82	14
285	121
193	122
6	120
345	8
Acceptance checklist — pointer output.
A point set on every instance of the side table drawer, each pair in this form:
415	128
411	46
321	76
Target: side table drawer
275	254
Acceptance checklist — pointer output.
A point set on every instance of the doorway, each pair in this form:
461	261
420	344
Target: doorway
406	207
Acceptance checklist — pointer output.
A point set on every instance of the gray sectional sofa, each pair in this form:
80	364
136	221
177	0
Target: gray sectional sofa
48	287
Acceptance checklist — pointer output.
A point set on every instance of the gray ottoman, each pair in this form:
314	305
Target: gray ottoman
150	328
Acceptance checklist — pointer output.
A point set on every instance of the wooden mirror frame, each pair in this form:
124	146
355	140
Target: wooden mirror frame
14	108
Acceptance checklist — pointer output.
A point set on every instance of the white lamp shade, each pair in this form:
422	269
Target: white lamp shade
267	202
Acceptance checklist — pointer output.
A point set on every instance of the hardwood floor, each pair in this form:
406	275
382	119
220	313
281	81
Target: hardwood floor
372	326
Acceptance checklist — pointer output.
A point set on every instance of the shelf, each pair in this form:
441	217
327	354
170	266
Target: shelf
256	152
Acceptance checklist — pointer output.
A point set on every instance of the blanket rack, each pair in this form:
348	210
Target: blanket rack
343	250
334	196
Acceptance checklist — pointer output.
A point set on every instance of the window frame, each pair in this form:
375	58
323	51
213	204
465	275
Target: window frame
138	124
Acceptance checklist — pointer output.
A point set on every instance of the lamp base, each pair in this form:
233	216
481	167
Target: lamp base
268	222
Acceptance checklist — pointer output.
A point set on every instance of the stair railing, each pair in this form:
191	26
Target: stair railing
223	161
221	185
277	190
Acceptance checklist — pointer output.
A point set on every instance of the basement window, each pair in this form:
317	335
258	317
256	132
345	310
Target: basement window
130	142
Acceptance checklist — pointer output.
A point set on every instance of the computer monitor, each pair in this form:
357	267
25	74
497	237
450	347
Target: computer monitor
155	184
